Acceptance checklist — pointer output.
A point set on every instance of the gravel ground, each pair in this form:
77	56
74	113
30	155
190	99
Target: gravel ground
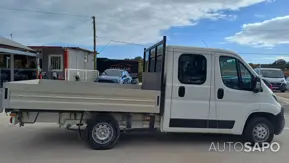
45	143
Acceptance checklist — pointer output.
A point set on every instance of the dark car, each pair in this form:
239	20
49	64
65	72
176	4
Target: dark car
114	76
268	84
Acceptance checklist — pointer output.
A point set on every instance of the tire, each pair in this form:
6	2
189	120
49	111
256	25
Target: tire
259	130
283	90
102	133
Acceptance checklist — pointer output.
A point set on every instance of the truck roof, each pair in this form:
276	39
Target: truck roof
192	48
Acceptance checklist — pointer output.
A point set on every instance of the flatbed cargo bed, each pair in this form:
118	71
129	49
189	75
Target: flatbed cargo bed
56	95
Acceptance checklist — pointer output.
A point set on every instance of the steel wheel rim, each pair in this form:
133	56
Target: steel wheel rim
102	133
260	132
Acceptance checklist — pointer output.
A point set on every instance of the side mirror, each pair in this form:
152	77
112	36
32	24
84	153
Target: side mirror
256	85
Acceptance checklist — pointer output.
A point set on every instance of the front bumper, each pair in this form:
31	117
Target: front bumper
279	86
279	122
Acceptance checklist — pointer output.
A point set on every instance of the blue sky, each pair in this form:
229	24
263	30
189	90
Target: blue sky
257	29
214	32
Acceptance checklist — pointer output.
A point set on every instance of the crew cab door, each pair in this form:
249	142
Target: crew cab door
191	88
234	97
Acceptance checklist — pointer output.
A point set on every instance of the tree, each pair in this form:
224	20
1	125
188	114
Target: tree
138	58
252	65
279	62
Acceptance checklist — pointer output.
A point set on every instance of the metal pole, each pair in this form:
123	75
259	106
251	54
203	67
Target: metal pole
94	43
11	67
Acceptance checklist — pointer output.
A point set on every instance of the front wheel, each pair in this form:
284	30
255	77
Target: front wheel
259	130
103	133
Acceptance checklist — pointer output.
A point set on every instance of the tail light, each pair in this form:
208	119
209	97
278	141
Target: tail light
13	118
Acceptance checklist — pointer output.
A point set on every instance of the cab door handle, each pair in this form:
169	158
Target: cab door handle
220	93
182	91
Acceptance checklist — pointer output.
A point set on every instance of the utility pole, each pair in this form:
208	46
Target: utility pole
94	43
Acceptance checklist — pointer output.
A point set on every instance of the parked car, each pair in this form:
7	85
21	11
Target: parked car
287	80
268	84
114	76
274	76
18	75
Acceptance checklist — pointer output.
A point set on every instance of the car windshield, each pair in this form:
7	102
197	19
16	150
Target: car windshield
112	73
272	73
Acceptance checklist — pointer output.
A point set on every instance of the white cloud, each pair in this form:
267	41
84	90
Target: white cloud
263	34
140	21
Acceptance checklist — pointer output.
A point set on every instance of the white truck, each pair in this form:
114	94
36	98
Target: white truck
184	90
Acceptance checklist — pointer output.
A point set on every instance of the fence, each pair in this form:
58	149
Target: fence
83	74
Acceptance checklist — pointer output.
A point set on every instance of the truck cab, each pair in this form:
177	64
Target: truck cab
208	90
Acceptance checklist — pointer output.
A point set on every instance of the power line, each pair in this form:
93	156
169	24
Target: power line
122	42
104	46
101	50
44	12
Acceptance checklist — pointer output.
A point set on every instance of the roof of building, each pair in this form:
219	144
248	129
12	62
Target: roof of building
64	47
10	43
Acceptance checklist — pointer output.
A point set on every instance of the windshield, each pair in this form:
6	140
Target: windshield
112	73
272	73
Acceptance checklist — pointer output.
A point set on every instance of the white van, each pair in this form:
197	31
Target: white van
275	76
184	89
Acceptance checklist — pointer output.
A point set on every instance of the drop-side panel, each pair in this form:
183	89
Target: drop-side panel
80	96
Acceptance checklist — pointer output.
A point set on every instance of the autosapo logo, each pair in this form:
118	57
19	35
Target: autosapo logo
244	147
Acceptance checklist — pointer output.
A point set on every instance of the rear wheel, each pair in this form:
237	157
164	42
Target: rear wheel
283	89
102	133
259	130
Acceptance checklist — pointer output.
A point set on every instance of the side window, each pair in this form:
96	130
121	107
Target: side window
234	74
192	69
229	72
152	62
146	62
246	78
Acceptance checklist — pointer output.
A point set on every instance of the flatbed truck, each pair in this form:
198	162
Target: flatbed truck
184	90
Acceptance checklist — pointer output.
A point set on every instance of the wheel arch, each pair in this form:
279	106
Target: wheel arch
268	116
102	116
